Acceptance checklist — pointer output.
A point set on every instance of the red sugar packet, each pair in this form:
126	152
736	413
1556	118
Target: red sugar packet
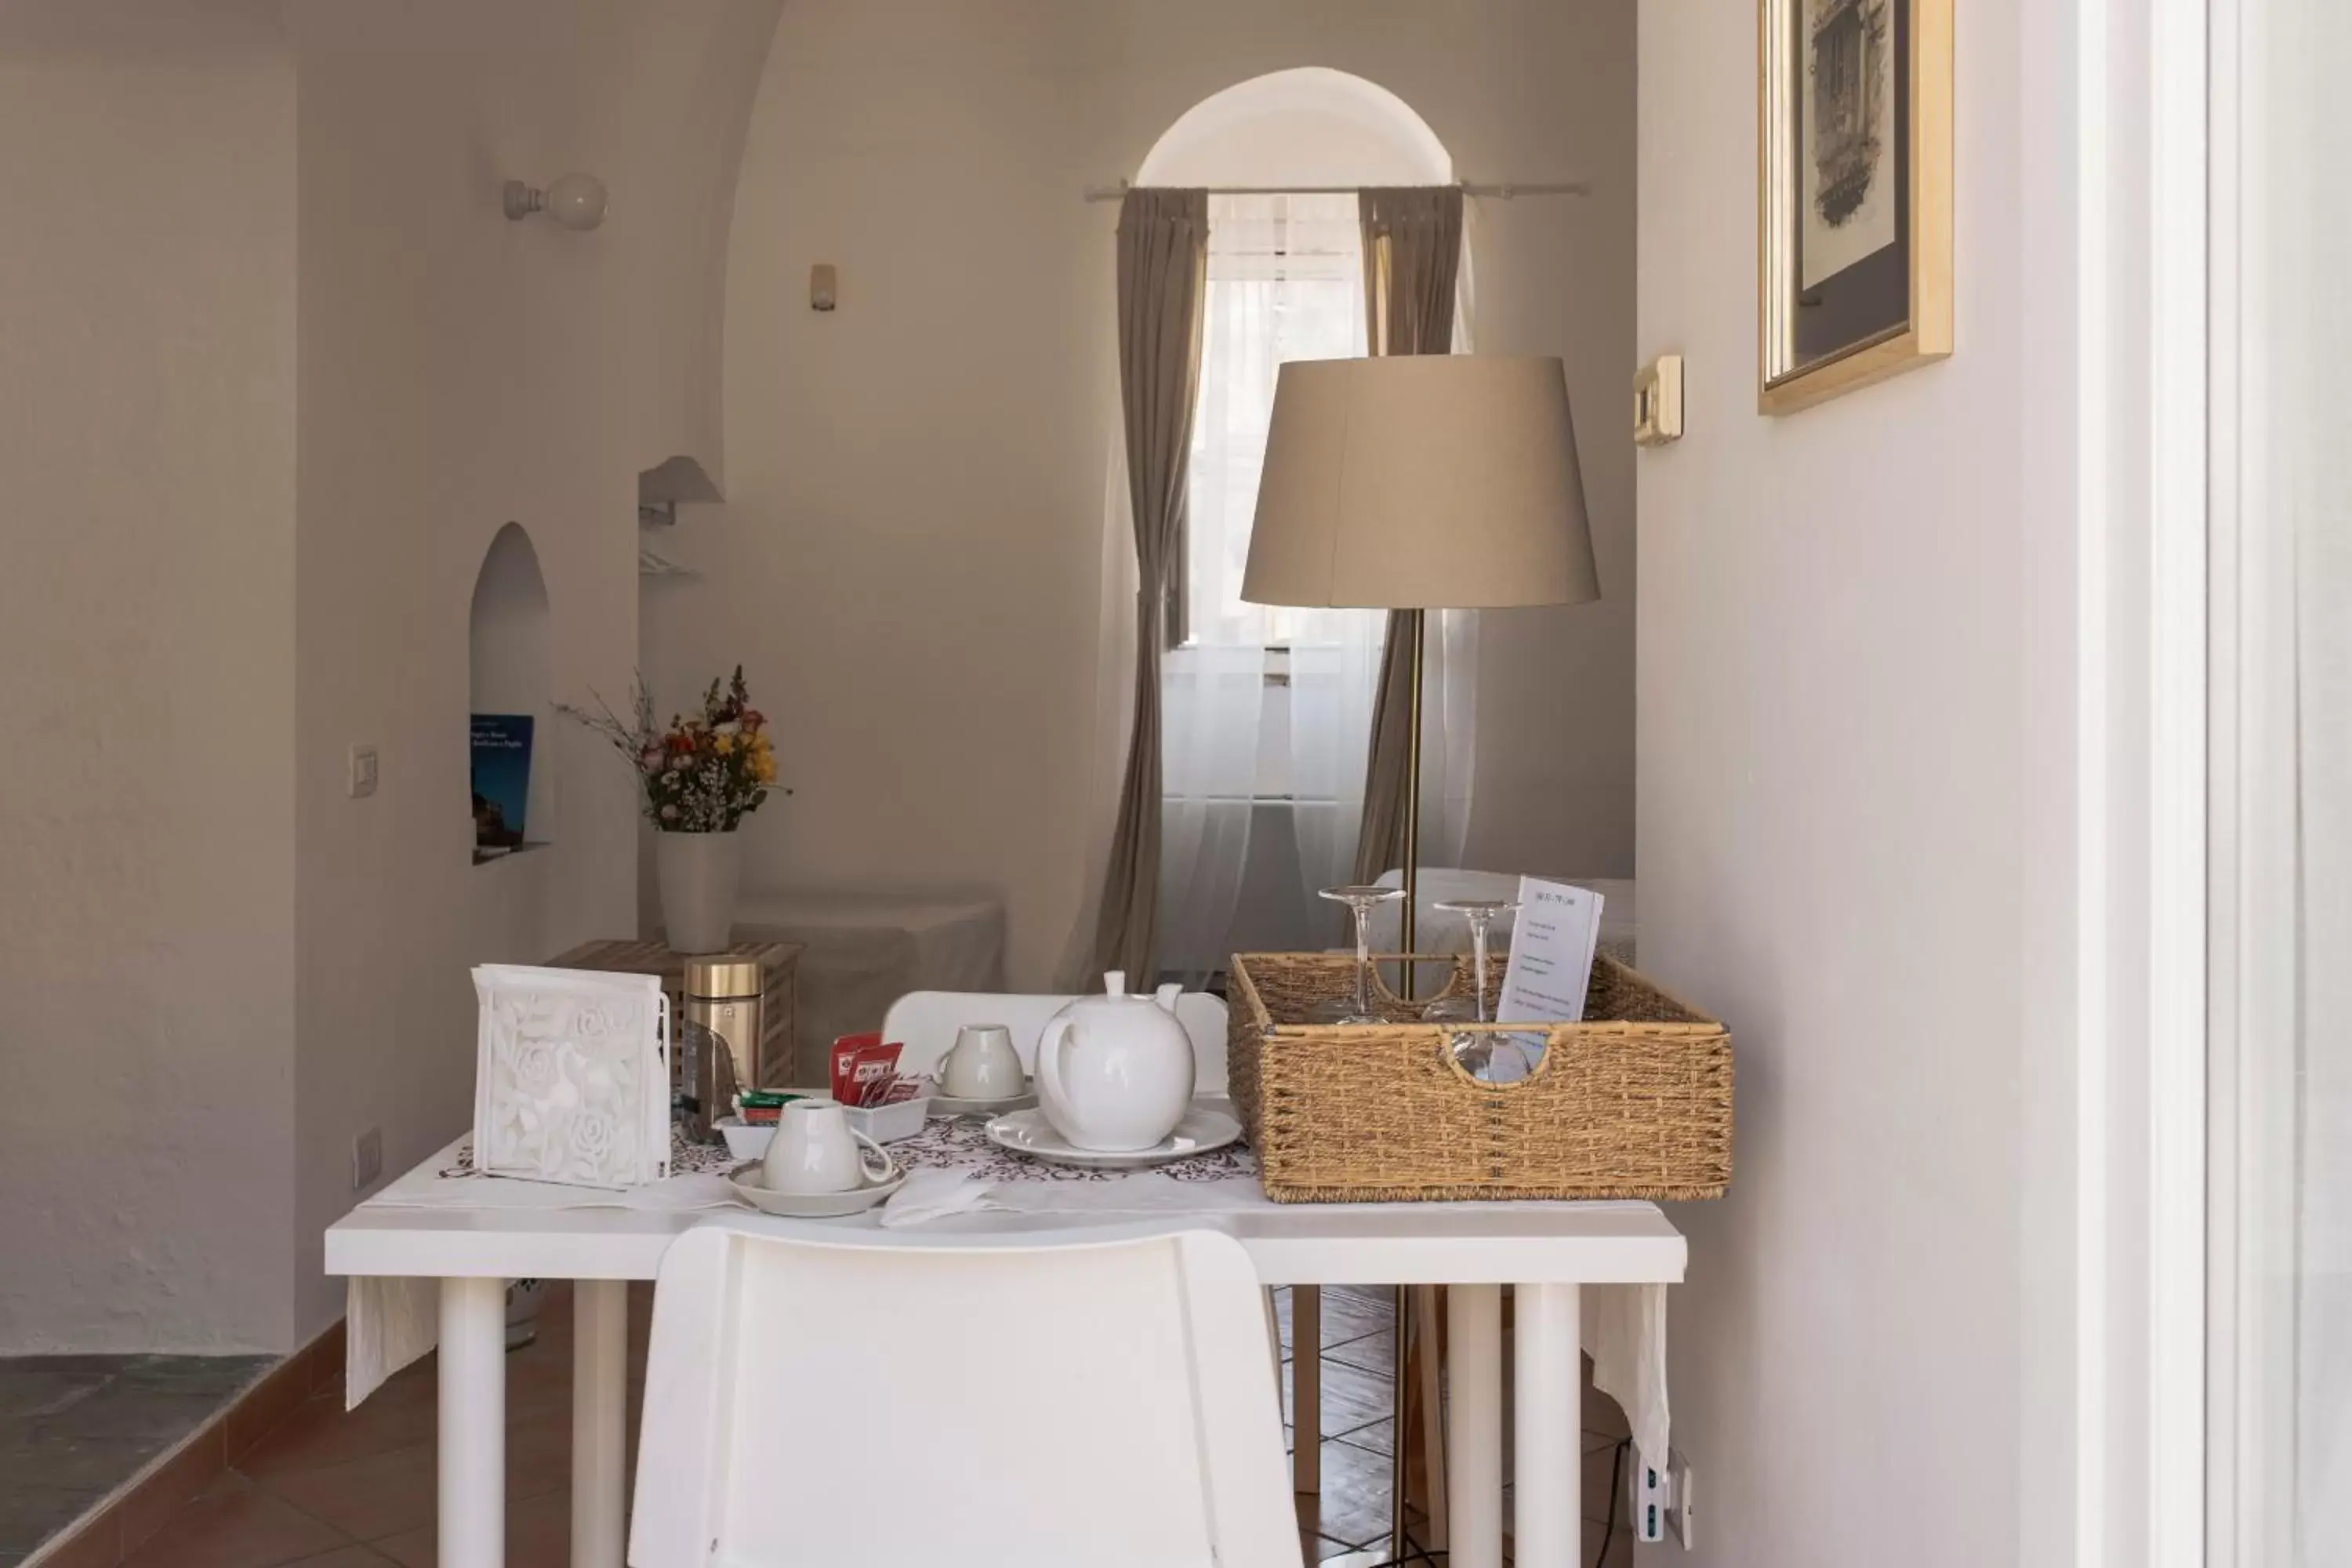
859	1063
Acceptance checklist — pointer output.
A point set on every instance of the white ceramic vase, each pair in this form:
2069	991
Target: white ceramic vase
698	873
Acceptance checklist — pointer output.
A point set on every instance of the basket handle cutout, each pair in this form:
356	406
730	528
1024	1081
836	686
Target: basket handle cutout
1555	1042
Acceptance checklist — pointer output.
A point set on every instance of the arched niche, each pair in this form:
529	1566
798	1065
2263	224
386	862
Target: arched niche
1299	129
510	668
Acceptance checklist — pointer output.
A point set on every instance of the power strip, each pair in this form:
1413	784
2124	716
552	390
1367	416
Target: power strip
1653	1495
1662	1504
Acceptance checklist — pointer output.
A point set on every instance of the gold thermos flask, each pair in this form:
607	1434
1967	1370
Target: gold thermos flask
721	1038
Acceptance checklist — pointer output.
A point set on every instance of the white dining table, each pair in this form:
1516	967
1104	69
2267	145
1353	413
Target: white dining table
1546	1251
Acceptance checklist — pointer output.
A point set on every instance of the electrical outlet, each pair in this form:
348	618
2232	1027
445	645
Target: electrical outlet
367	1159
362	771
1682	1507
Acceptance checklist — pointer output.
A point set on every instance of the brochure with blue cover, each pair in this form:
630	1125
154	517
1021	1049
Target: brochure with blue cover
501	779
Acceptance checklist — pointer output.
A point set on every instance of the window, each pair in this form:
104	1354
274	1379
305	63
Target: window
1267	712
1285	282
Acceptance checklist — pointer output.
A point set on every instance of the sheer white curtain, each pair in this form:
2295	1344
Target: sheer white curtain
1259	740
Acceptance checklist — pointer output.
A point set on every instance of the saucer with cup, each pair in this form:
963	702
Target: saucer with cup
982	1075
817	1165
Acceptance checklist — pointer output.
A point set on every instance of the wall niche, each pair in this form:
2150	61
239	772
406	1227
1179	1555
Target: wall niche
511	752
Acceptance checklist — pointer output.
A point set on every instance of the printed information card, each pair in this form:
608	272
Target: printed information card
1552	944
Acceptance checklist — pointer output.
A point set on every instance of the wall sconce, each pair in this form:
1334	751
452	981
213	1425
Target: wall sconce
575	201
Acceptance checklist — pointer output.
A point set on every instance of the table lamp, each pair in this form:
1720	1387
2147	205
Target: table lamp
1419	482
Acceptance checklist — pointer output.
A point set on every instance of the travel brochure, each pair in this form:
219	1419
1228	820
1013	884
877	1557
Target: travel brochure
501	781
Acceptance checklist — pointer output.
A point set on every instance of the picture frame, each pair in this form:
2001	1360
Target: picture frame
1854	106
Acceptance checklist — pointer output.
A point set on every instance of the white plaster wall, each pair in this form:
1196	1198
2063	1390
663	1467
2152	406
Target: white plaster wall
1855	740
910	561
460	372
147	387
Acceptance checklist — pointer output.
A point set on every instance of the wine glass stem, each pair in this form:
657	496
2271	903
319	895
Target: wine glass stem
1363	959
1478	963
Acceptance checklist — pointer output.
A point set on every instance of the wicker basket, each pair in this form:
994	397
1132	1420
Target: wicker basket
1634	1103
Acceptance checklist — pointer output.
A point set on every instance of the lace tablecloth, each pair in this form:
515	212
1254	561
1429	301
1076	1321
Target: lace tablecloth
700	1172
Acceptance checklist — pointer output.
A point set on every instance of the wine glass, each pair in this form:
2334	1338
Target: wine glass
1362	901
1480	913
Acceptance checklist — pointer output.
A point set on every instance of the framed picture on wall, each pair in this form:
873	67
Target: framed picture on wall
1855	128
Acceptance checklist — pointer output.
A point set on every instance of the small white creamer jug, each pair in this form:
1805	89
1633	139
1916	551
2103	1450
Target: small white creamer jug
1114	1071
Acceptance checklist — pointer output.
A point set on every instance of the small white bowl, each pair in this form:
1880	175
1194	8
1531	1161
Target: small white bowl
883	1123
744	1141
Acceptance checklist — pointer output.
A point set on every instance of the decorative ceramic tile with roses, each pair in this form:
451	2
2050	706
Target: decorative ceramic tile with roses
571	1084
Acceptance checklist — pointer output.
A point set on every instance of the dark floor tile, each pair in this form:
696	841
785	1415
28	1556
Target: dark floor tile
29	1516
1373	1352
45	1385
74	1429
94	1543
1349	1313
1347	1398
1353	1505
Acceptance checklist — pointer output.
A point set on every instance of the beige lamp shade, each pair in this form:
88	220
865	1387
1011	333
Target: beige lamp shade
1421	481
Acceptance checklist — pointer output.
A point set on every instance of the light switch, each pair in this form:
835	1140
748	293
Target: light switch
362	771
1658	401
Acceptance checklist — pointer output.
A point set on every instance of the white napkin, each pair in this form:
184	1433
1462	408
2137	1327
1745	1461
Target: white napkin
1625	1331
934	1195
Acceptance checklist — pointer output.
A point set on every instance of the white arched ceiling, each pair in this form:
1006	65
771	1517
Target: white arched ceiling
1299	129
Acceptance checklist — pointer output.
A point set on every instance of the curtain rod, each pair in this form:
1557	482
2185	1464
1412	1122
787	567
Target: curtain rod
1503	191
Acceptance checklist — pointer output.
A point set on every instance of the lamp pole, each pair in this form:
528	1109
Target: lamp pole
1412	851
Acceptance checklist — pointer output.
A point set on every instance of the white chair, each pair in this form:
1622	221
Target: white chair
1102	1397
926	1023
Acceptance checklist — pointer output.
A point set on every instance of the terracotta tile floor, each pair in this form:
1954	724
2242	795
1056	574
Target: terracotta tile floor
332	1489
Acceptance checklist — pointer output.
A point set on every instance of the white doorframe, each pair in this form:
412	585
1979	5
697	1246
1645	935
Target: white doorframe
2140	227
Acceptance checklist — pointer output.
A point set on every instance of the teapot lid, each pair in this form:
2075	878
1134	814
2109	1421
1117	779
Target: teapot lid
1114	990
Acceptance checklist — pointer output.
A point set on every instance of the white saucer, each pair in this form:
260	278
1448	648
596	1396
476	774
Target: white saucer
814	1205
1203	1131
946	1104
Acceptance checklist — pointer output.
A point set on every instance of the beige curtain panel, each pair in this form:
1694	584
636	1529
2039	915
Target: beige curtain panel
1413	253
1163	278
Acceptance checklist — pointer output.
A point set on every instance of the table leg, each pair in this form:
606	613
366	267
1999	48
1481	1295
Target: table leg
1429	1391
1547	1532
600	1408
1474	1425
1307	1389
473	1459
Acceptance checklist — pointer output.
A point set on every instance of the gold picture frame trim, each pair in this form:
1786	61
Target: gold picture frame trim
1782	386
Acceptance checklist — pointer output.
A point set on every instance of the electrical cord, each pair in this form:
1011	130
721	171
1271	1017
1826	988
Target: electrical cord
1616	1491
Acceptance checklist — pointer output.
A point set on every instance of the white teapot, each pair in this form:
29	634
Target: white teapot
1114	1071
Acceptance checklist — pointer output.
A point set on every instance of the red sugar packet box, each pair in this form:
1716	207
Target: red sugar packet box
865	1070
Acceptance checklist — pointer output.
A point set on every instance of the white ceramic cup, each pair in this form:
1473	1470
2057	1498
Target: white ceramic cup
816	1150
982	1065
